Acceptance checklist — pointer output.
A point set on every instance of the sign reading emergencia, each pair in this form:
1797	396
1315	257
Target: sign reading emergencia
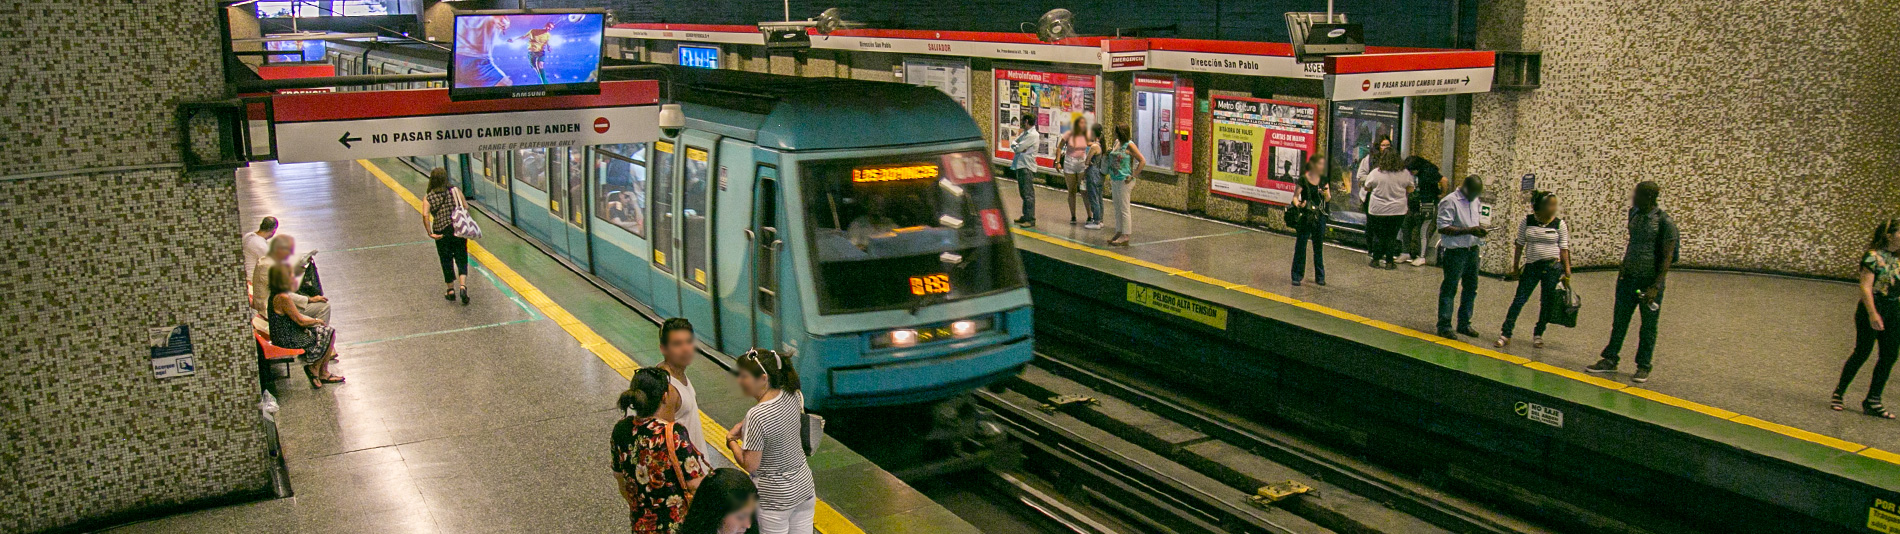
359	125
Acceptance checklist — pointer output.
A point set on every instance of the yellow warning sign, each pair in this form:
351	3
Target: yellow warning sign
659	257
1172	304
1883	517
699	276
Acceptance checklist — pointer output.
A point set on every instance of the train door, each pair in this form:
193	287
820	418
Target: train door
567	202
694	246
664	259
620	218
732	272
535	198
765	246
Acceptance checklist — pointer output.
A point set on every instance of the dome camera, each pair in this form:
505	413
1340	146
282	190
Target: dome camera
672	120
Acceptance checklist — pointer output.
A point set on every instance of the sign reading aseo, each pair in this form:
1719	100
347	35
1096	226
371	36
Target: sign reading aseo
380	124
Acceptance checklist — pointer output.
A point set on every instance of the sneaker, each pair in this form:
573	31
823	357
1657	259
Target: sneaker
1503	341
1296	282
1469	331
1642	375
1093	226
1537	342
1602	366
1447	334
1418	262
1405	258
1374	264
1320	281
1027	224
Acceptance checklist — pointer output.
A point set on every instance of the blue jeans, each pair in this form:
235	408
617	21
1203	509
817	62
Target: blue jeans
1539	276
1627	303
1315	233
1026	186
1092	195
1461	267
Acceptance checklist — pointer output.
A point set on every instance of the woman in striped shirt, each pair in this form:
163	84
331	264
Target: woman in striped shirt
1543	248
770	443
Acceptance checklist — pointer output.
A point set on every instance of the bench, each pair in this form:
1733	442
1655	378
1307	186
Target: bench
268	355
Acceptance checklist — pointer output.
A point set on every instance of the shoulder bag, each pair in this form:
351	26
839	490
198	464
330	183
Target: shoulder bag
811	431
463	224
1562	306
673	457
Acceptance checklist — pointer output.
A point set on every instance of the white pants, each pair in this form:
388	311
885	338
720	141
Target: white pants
797	520
1124	210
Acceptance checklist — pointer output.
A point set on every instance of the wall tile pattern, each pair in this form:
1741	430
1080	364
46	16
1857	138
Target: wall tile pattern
1772	126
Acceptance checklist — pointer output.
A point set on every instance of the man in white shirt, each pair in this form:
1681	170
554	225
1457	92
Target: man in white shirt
281	248
256	244
677	352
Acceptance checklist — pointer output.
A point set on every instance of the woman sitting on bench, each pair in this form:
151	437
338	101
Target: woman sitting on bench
291	329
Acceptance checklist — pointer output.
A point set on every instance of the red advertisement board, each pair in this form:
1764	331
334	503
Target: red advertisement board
1054	98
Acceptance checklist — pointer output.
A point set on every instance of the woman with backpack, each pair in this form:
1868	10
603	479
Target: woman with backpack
1543	249
656	465
1123	158
770	443
445	201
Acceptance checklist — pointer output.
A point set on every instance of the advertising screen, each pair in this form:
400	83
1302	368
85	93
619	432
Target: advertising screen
1259	146
704	57
522	54
1055	99
1358	126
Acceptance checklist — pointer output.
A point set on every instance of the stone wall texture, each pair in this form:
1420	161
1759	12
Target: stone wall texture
102	236
1772	126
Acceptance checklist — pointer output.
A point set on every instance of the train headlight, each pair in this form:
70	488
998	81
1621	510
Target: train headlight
903	338
910	337
963	328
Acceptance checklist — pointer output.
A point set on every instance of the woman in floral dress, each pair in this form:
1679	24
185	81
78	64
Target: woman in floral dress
656	466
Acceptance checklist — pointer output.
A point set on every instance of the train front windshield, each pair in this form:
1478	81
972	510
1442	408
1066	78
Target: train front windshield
902	233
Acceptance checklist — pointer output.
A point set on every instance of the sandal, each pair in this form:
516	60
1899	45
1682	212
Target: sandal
1537	342
449	295
463	291
1837	403
1503	341
332	379
315	383
1873	408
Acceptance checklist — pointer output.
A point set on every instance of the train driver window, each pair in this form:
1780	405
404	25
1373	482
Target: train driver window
907	231
620	188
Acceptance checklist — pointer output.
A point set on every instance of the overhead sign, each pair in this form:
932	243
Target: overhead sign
1241	64
1366	86
748	35
379	124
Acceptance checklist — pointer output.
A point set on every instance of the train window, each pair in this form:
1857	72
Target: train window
555	180
620	186
695	207
662	214
531	167
767	241
576	185
877	223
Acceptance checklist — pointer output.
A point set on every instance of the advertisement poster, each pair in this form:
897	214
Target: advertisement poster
1357	126
1053	98
952	76
1259	146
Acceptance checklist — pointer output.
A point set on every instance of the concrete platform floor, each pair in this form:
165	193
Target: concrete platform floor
1764	346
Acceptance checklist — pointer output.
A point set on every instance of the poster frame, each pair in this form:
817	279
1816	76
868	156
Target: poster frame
1181	104
996	112
1311	144
958	64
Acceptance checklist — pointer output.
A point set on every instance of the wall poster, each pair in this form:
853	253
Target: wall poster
952	76
1259	145
1054	98
1357	126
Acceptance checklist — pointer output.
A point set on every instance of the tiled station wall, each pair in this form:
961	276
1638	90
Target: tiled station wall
103	236
1773	127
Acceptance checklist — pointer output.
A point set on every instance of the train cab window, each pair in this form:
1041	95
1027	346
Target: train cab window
662	213
906	232
695	206
620	186
531	167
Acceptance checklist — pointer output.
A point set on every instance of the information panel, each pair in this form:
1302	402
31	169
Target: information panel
952	76
705	57
1054	98
1259	146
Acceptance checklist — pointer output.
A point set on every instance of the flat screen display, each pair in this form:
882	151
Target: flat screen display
510	54
704	57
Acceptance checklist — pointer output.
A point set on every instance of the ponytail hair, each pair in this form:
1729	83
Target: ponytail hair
1883	235
775	367
646	392
1539	196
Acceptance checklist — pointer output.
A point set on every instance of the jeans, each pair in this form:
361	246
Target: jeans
1026	186
1092	196
1382	236
1865	337
1314	232
1124	206
1627	303
453	253
1461	267
797	520
1419	229
1538	276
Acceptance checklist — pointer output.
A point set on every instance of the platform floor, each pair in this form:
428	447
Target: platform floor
1764	346
485	418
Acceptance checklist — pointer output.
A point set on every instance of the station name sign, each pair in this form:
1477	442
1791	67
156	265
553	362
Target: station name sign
424	123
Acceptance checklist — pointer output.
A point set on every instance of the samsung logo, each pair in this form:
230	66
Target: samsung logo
1336	33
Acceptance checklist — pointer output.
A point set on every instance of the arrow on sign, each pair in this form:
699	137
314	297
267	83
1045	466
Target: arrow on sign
346	139
1467	80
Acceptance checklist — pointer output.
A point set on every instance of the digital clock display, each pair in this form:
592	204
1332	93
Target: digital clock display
894	173
930	284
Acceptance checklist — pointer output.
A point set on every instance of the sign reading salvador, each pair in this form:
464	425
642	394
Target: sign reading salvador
380	124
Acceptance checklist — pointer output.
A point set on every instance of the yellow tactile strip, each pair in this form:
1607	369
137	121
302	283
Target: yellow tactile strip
1612	385
826	520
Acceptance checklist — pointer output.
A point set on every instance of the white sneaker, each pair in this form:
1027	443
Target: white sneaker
1405	258
1093	226
1418	262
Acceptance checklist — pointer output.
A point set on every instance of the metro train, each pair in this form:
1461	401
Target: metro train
854	225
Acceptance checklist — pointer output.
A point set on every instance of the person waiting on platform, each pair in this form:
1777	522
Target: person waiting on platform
1876	319
292	329
655	463
1074	162
1639	282
451	250
1124	159
1023	166
676	353
1310	200
257	244
1430	186
1543	248
282	247
724	504
1458	222
1388	192
770	443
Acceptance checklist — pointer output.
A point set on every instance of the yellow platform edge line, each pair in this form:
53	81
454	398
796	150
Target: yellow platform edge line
826	519
1612	385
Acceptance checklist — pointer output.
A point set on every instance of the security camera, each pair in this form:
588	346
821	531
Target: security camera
672	120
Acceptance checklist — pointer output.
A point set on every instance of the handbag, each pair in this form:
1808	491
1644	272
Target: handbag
812	430
1295	217
312	286
673	457
463	224
1562	305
